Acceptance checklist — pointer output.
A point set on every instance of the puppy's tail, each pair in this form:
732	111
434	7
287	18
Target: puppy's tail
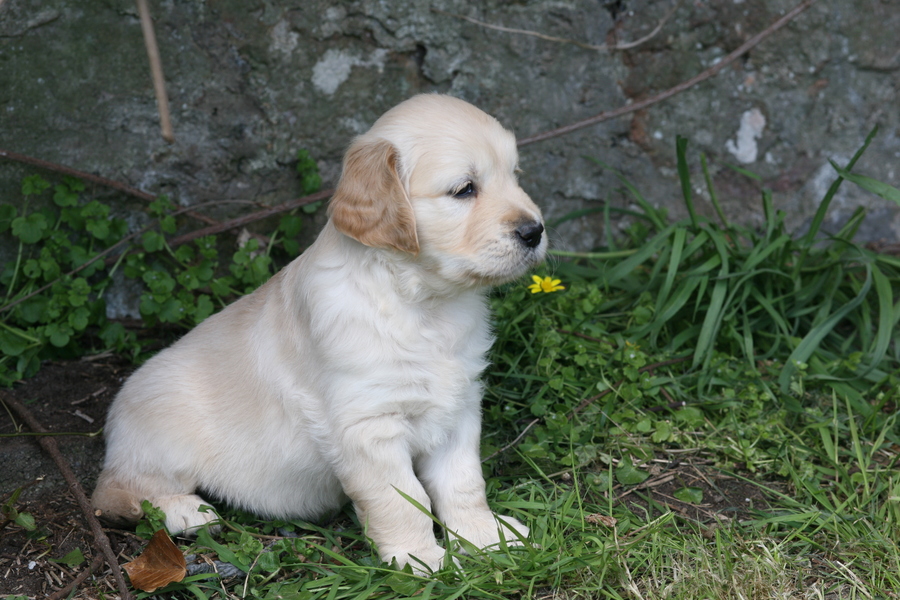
115	502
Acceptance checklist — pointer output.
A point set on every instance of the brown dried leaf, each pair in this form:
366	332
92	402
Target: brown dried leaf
159	564
598	519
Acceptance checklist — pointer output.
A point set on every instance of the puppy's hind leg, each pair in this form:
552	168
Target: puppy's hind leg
118	501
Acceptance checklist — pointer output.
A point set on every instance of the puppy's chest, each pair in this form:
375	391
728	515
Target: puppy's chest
419	365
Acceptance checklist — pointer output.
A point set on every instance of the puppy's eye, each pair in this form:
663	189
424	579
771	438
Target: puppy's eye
466	191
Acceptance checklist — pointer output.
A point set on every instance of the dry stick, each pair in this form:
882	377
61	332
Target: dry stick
710	72
50	447
550	38
49	166
159	82
64	591
247	219
121	187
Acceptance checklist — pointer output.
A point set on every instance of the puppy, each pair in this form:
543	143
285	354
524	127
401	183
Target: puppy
354	372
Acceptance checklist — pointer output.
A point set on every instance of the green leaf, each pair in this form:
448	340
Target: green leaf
172	310
167	224
34	309
691	495
80	318
290	225
225	553
159	282
72	559
25	521
12	344
268	561
8	212
79	290
30	229
153	241
684	176
663	432
76	185
628	474
308	170
403	584
184	253
33	185
160	206
64	196
59	334
32	269
203	308
99	229
879	188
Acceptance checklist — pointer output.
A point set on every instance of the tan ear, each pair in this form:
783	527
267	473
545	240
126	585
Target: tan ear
370	203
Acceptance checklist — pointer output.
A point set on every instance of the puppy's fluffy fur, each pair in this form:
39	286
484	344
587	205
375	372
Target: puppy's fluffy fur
354	372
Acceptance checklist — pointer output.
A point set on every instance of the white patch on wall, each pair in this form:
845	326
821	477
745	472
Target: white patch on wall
334	68
743	147
284	41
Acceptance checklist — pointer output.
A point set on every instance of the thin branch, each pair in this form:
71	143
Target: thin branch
647	102
550	38
64	591
56	168
251	218
515	441
50	447
115	185
159	82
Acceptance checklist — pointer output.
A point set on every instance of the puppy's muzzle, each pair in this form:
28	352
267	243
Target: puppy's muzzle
530	233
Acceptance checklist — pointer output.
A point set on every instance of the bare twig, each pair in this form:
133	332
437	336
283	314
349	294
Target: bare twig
50	447
251	218
159	82
49	166
515	441
64	591
84	176
647	102
550	38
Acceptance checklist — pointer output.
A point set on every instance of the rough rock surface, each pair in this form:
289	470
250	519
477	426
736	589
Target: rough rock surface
250	83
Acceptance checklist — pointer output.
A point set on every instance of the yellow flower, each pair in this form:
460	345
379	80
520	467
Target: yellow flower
545	284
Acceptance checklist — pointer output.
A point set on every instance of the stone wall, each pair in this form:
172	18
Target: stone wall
251	82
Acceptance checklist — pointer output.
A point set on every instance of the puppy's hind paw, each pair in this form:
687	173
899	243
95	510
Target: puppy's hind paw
184	515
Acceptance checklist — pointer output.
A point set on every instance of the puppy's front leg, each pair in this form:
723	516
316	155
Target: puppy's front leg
452	476
374	462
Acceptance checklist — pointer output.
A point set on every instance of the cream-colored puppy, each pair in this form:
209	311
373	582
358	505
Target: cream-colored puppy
354	372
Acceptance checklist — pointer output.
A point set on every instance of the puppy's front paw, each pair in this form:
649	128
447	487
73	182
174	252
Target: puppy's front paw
511	529
488	530
423	561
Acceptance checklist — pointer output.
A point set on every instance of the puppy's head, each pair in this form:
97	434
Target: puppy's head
435	179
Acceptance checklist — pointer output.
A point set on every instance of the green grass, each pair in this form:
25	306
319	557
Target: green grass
691	361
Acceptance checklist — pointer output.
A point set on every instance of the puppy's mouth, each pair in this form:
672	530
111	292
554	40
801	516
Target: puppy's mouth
509	259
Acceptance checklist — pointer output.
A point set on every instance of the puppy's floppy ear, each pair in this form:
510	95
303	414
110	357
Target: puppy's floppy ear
370	203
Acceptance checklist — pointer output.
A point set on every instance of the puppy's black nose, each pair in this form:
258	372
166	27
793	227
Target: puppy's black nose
530	233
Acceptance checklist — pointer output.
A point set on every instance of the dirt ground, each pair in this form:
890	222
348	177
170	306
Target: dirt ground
73	397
